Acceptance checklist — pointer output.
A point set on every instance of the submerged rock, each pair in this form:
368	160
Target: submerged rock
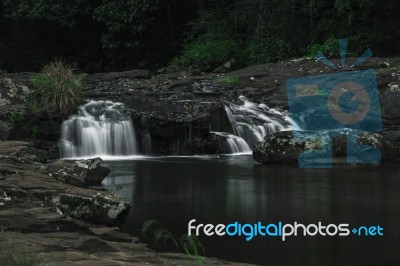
283	148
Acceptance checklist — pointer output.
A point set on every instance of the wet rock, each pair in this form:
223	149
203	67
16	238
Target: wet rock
282	148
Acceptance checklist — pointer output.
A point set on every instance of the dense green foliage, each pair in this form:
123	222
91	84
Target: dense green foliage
59	89
104	35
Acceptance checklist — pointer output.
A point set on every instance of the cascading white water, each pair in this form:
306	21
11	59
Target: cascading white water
100	128
235	144
251	122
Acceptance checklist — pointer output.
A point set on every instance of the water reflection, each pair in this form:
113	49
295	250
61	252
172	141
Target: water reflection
234	188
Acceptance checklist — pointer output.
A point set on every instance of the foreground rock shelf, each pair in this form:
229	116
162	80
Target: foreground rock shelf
46	218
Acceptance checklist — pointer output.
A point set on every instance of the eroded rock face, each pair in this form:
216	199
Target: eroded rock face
282	148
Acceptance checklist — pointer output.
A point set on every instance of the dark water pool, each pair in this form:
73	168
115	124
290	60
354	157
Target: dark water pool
174	190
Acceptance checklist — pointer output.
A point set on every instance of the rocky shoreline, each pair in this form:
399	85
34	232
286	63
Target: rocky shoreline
55	213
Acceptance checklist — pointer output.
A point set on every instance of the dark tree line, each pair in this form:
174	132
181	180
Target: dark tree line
105	35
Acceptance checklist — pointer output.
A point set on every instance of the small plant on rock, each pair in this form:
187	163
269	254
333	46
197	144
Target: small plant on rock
59	89
229	80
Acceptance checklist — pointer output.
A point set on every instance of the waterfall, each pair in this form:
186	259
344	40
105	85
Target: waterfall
251	122
146	144
234	143
99	128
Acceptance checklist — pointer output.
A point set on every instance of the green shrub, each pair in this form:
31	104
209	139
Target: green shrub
357	45
330	48
17	118
59	89
229	80
206	52
208	44
266	46
20	120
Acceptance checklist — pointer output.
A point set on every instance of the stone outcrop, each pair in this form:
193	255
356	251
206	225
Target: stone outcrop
25	176
81	173
285	147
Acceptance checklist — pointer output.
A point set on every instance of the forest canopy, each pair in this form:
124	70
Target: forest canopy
111	35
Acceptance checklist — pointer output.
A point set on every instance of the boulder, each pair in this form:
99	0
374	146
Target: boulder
81	173
282	148
98	208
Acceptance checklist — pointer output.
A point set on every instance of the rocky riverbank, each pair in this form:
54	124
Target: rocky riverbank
56	213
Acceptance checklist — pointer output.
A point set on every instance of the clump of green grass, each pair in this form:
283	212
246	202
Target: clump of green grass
159	237
25	258
228	80
59	89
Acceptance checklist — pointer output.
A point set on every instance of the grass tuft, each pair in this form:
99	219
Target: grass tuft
159	237
59	89
229	80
